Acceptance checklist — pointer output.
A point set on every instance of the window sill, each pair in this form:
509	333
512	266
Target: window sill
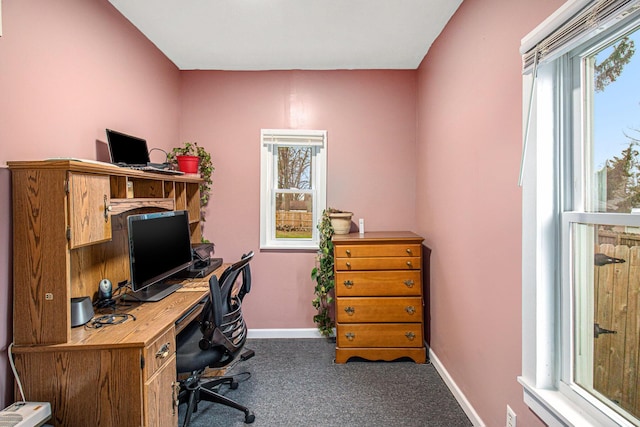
305	248
555	409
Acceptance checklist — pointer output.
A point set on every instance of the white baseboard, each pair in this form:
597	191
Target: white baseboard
284	333
457	393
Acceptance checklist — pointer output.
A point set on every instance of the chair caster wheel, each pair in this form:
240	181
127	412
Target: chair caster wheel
233	385
249	418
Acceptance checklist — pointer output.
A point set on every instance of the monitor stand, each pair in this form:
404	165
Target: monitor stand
156	292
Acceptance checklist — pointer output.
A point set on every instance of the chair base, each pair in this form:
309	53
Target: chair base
193	390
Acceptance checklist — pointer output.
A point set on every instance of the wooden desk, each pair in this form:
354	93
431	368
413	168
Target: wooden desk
116	375
69	232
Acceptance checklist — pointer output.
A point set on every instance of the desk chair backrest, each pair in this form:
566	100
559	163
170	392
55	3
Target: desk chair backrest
246	278
223	325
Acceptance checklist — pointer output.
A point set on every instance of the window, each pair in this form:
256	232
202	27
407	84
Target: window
293	187
581	227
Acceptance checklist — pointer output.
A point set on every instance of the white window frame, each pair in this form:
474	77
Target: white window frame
270	139
547	309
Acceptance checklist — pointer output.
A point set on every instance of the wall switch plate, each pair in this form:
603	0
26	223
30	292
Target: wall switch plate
511	417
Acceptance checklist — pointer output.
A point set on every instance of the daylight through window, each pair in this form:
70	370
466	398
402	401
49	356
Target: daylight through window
581	217
293	179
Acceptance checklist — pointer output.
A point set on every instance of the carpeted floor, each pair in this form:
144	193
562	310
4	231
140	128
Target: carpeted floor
294	382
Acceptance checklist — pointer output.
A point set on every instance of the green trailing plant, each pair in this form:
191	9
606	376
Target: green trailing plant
205	166
323	275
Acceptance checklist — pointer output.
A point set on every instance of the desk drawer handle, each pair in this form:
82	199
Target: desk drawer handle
348	284
348	252
175	393
349	310
409	251
348	265
107	209
410	309
163	353
410	336
409	264
350	336
409	283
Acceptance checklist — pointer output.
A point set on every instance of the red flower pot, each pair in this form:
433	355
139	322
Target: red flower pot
188	164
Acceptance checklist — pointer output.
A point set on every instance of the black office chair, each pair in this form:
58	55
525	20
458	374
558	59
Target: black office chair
215	340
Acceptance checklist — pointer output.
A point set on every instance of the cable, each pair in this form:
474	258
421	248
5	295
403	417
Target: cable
15	373
243	376
166	155
109	320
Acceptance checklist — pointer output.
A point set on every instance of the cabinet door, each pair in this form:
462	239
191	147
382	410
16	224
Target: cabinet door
89	217
160	396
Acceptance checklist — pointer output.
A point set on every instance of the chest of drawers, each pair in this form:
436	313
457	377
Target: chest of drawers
379	300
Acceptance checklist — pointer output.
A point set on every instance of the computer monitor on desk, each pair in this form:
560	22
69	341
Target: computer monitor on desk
159	247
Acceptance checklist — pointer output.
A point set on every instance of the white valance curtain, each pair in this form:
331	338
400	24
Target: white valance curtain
571	24
294	137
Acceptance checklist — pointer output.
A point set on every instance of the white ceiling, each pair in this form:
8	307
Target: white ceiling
290	34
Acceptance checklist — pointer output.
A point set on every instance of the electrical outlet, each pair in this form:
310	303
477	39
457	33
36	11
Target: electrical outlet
511	417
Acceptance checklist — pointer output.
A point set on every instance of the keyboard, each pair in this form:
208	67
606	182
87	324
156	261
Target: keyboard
155	169
158	170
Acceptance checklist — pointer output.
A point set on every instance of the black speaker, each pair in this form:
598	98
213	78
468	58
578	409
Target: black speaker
81	311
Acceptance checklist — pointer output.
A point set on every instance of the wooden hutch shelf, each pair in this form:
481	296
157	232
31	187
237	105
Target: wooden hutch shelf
69	232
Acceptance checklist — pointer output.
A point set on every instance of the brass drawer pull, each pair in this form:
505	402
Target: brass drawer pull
175	392
163	352
107	209
409	283
348	284
409	264
409	251
348	264
410	336
348	252
349	310
410	309
350	336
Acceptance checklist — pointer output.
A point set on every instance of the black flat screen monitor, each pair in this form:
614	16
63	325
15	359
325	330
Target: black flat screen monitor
159	246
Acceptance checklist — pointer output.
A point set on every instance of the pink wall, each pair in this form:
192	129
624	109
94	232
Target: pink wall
71	68
468	201
68	69
370	119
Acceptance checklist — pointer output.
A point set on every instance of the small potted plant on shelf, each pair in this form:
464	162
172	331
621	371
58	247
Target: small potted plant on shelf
192	158
323	276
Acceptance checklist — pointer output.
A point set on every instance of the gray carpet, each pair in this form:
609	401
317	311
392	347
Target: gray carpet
294	382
